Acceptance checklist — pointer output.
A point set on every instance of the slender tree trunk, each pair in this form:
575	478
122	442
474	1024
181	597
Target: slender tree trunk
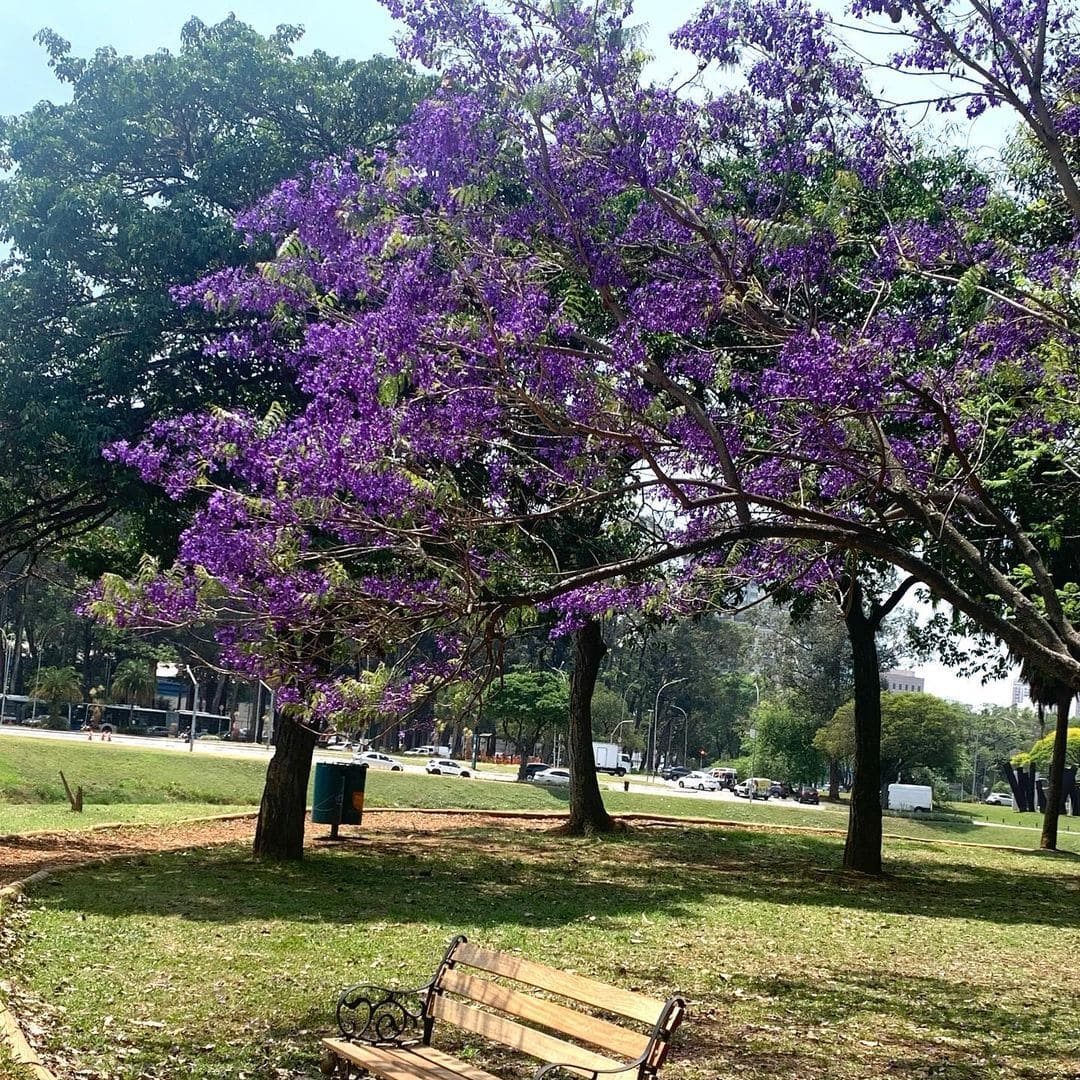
1057	770
834	780
587	813
862	850
282	813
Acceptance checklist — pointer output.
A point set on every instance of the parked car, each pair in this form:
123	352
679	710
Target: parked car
999	798
557	777
699	781
446	767
808	795
377	760
674	772
337	742
535	767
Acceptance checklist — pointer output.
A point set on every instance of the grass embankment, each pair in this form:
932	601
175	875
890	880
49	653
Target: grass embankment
209	965
165	785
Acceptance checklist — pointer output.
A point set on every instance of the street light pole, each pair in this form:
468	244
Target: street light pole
195	709
9	653
655	720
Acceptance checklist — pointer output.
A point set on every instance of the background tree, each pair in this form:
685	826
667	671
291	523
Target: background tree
525	704
109	201
918	732
58	687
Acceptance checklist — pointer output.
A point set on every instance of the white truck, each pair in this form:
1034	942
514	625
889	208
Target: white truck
610	759
915	798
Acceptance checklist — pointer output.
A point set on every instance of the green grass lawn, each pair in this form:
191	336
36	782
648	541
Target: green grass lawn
959	965
119	781
28	817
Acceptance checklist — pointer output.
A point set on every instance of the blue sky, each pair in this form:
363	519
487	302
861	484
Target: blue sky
354	28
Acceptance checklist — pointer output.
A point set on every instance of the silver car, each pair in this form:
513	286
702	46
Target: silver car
446	767
376	760
558	777
697	781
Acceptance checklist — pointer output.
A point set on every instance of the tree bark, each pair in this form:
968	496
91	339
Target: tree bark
283	810
834	780
862	849
1057	771
587	813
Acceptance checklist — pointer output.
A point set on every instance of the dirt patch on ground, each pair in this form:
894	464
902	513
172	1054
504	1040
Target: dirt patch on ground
21	856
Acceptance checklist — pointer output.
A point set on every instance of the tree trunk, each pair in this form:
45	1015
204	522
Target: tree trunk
1057	771
587	813
282	813
834	780
862	850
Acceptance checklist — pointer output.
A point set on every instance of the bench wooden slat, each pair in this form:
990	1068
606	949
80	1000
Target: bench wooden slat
589	991
406	1063
590	1029
518	1037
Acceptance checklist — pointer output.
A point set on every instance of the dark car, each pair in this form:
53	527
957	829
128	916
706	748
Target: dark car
675	772
536	766
808	795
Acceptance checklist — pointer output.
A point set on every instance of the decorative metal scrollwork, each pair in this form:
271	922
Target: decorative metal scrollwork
375	1014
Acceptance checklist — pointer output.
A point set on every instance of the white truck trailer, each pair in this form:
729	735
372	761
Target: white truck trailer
610	759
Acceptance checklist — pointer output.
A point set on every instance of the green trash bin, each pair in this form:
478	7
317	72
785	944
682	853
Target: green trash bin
339	793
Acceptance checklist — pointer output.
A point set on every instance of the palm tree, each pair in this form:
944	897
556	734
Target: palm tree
57	686
135	682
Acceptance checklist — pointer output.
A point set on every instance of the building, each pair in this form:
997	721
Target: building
904	681
1020	692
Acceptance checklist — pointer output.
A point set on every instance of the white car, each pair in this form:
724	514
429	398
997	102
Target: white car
376	760
446	767
999	798
558	777
697	781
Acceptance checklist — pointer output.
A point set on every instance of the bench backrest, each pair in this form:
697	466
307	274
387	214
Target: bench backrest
465	981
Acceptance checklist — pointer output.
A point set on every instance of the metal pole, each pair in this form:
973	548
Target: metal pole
9	652
37	676
655	715
194	711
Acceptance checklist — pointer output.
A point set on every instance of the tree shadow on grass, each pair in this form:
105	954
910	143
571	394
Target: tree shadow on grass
498	877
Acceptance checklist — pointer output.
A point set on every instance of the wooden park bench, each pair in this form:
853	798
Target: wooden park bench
388	1033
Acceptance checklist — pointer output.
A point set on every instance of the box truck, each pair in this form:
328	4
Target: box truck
610	759
911	797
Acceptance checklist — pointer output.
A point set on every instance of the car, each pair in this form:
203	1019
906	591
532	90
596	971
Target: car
376	760
674	772
337	742
535	767
556	777
778	790
808	795
446	767
999	798
698	781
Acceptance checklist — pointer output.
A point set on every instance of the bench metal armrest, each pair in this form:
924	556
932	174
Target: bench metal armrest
377	1014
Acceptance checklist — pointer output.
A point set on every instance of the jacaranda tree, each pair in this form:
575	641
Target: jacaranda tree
799	370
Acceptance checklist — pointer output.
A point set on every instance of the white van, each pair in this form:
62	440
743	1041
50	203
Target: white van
916	798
